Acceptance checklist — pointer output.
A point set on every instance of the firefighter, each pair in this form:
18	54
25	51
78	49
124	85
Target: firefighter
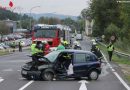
37	50
46	47
95	49
66	44
13	46
61	46
77	45
20	46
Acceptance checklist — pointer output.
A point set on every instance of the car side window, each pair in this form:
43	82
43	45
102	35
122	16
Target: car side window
88	57
80	58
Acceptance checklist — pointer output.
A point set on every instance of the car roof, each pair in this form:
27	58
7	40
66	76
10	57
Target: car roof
75	51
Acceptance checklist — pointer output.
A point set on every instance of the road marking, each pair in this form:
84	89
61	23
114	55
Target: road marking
26	85
14	61
1	79
19	70
83	85
116	74
7	70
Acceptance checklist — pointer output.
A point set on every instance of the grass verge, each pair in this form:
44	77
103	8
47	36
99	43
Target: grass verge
4	52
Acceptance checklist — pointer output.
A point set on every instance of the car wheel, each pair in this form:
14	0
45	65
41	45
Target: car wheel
47	75
93	75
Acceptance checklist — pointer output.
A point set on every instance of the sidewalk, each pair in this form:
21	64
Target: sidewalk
10	50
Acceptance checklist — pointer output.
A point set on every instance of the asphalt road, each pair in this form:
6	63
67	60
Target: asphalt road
10	78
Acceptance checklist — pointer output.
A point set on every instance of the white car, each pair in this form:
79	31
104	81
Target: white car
79	37
1	47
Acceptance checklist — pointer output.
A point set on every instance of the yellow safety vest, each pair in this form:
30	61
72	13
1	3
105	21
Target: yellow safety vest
110	48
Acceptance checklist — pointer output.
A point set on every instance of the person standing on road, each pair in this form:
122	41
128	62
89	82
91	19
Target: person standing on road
20	46
47	48
66	44
13	46
36	50
95	49
110	49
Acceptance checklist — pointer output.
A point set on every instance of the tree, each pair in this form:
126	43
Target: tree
51	20
112	30
4	29
104	12
72	23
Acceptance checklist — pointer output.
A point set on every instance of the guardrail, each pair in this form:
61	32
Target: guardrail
117	52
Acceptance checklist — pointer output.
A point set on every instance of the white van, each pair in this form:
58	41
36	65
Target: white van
79	36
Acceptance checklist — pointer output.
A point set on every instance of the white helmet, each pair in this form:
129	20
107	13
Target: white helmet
93	40
94	43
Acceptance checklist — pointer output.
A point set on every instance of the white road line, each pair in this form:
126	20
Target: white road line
83	85
1	79
7	70
26	85
116	74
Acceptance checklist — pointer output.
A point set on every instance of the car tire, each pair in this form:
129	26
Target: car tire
47	75
93	75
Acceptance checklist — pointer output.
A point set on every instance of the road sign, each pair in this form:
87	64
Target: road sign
113	38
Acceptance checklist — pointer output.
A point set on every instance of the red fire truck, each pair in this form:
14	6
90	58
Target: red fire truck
53	34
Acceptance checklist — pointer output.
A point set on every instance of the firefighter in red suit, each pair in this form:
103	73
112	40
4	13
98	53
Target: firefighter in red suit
47	48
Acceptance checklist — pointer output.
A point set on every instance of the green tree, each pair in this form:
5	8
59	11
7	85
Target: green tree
4	29
104	12
111	30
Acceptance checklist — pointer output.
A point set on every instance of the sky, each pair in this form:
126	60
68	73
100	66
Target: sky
66	7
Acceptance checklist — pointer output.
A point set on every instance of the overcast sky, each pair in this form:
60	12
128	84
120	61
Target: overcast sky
66	7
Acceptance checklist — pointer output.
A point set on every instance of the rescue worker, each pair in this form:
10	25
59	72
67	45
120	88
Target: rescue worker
13	46
61	46
110	49
47	48
66	44
76	45
20	46
36	50
95	49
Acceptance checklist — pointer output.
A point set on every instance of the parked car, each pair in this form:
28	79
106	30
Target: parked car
4	46
63	65
1	47
98	39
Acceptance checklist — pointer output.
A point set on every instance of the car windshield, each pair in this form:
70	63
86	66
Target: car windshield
52	56
45	34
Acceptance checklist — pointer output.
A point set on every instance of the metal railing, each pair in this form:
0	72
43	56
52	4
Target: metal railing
117	52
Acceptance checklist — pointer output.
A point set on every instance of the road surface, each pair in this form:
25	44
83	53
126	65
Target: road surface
10	77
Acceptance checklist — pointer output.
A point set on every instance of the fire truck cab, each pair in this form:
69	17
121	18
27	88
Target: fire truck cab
53	34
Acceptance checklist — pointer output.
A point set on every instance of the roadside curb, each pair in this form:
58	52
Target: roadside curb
10	51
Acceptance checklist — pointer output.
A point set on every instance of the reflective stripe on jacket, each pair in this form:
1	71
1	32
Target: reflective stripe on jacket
110	48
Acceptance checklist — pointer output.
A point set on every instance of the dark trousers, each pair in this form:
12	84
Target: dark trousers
110	55
20	49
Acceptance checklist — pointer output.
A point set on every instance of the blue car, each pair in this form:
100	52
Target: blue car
64	64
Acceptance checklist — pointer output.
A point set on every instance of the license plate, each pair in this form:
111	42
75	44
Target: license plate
24	72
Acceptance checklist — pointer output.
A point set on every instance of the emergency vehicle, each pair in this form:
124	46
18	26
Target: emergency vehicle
53	34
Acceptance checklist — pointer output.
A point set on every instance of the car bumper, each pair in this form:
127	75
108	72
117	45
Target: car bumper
30	74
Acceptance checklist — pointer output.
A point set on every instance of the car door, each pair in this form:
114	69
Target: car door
82	63
79	64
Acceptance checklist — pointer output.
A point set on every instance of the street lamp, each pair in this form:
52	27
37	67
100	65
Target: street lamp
30	15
